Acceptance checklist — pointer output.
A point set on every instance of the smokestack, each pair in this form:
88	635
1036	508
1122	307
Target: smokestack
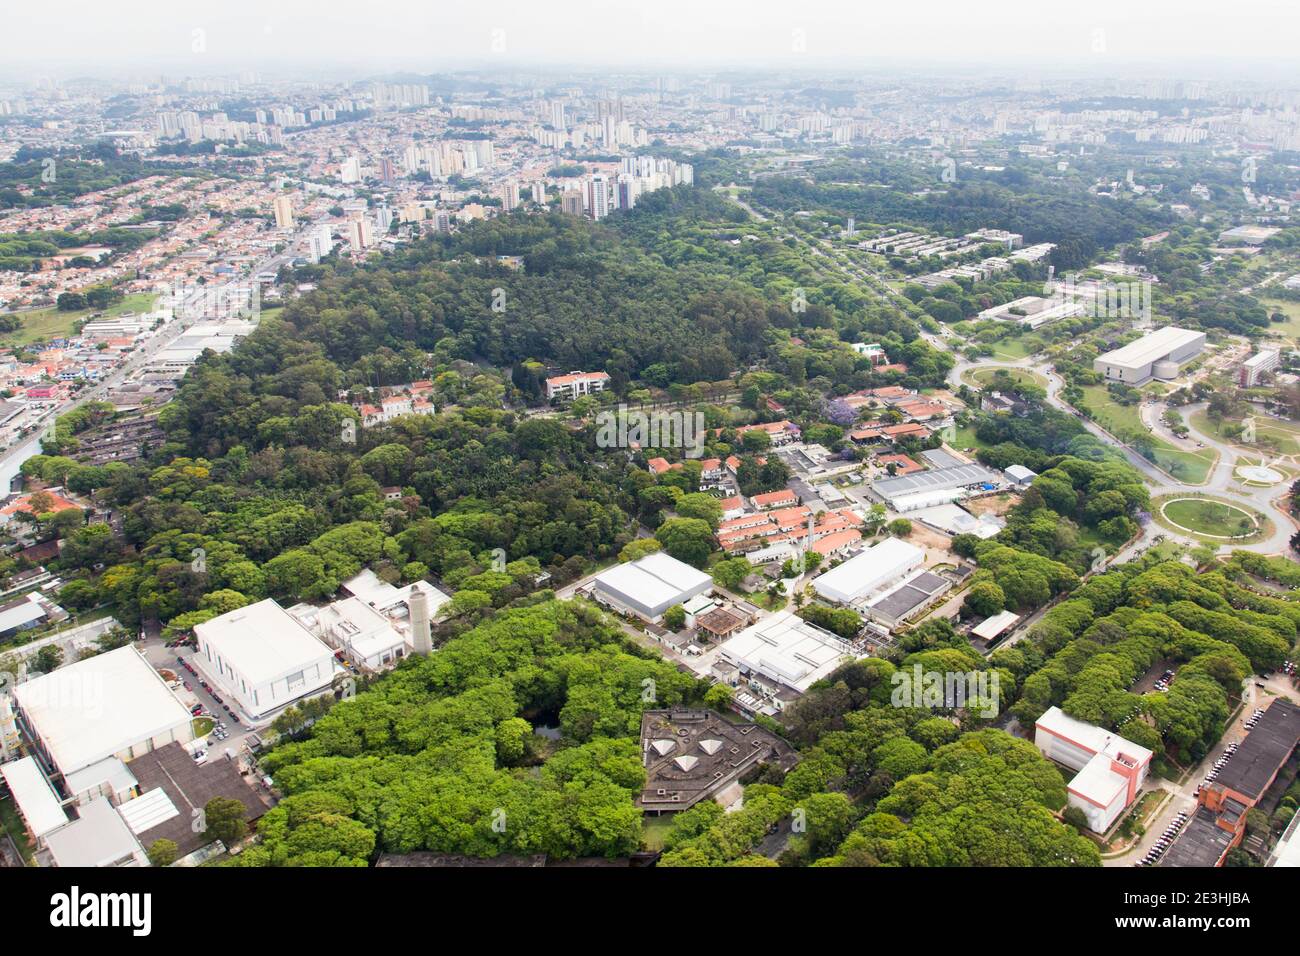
419	608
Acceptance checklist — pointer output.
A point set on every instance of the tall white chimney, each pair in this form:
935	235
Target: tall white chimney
421	640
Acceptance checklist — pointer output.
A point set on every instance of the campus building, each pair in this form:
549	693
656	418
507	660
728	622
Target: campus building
1158	354
870	572
649	586
1111	770
261	656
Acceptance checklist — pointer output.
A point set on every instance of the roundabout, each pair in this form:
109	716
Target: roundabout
1209	519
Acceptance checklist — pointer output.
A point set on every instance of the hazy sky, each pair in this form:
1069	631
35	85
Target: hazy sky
359	35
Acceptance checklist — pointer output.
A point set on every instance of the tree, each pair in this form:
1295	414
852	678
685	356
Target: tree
162	852
719	697
700	505
638	549
224	817
1076	818
48	658
731	573
675	618
985	599
512	738
686	539
899	527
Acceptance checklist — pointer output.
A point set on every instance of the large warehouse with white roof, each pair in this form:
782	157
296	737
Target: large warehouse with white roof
1156	355
111	705
650	585
263	657
871	571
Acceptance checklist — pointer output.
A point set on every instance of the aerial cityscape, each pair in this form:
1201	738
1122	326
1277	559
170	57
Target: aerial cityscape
527	444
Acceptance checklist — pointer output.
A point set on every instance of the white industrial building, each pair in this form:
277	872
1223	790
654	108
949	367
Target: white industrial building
936	486
649	586
777	660
1158	354
99	712
37	803
870	572
98	837
1111	770
263	657
367	638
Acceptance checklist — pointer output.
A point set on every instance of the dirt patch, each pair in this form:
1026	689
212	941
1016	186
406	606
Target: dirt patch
992	504
928	538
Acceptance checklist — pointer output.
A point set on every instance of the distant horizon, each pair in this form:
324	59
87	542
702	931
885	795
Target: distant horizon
1010	37
1255	70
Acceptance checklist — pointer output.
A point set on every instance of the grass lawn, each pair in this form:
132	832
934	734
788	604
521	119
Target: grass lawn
1290	329
1018	347
1279	436
203	726
42	325
654	829
1020	376
13	823
966	438
1218	522
1192	467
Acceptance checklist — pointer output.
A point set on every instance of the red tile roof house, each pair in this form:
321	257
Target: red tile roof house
576	383
775	499
902	464
23	503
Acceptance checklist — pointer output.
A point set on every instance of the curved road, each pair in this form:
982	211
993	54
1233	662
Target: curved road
1222	481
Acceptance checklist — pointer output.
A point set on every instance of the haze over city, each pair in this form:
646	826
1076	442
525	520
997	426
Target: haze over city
594	436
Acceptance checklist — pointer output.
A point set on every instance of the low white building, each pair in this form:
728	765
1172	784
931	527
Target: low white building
650	585
263	657
367	638
111	705
869	572
1158	354
1111	770
778	659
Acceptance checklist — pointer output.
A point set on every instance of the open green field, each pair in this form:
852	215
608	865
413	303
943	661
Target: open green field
1017	347
983	377
42	325
1210	519
1270	433
1192	467
1290	329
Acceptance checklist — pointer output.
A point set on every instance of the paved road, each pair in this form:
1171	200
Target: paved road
1222	481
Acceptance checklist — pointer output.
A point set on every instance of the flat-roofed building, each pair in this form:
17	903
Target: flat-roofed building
905	599
649	586
928	488
690	755
1219	823
99	837
39	806
1157	354
111	705
869	572
1111	770
263	657
779	658
1262	362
